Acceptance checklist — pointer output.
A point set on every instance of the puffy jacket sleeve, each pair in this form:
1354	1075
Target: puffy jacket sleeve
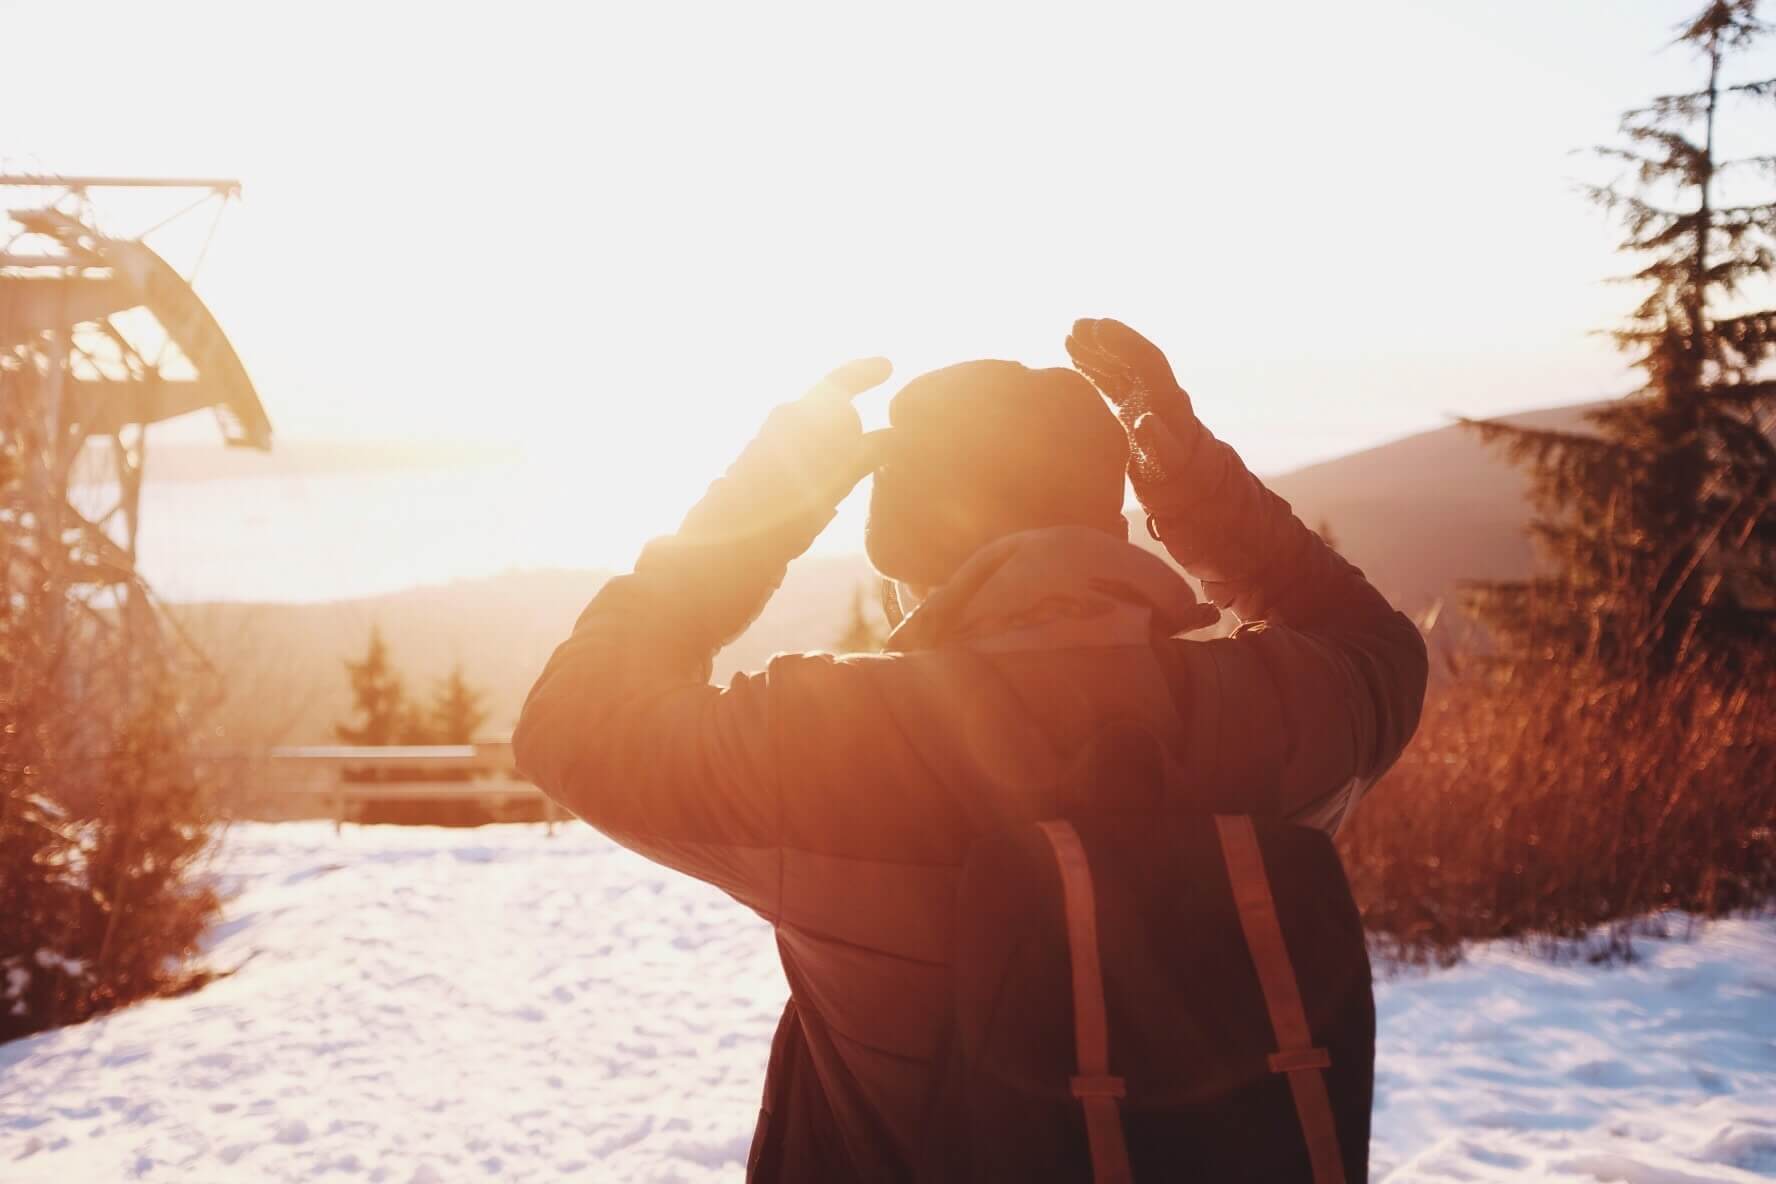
624	730
1315	697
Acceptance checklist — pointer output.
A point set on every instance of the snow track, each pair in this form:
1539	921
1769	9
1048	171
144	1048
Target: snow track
427	1006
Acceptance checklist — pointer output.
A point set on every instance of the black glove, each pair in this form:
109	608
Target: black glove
1214	518
1217	520
1165	437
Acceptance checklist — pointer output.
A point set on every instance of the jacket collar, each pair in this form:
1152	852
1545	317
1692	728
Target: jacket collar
1055	588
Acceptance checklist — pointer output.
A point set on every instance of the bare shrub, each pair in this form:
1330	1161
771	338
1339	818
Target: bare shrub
104	826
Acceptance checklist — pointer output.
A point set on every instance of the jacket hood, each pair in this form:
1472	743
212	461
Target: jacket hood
1055	588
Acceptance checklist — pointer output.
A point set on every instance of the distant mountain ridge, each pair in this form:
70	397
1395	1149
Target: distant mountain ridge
1423	513
284	663
1418	515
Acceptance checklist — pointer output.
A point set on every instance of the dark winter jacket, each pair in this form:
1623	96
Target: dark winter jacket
836	796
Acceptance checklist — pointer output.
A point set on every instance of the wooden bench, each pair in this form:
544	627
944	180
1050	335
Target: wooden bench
480	773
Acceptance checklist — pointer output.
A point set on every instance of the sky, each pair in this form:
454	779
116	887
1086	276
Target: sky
615	235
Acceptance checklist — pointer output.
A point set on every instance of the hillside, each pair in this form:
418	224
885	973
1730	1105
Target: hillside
1417	514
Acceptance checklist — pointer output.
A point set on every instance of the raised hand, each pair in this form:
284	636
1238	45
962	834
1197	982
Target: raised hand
1137	379
730	552
827	407
844	383
808	455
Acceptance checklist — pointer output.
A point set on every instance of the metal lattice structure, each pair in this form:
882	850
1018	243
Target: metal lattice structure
100	338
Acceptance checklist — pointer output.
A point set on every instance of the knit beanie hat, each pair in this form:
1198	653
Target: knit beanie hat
985	449
1040	447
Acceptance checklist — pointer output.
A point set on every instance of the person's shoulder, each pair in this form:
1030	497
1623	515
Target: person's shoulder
840	676
820	664
831	701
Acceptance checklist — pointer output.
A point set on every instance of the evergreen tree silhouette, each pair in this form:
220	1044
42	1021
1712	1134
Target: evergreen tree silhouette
379	699
1659	524
457	710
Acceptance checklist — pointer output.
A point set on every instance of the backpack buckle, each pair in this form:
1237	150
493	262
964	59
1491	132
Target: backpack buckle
1099	1087
1295	1060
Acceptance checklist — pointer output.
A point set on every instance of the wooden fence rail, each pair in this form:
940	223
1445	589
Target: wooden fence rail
352	775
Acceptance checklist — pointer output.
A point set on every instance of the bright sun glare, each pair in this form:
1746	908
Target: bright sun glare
616	235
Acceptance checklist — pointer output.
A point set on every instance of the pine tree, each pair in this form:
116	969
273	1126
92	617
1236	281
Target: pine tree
1659	525
457	710
415	726
379	699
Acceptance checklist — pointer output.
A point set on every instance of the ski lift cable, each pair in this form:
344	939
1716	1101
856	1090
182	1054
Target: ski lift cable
177	214
209	237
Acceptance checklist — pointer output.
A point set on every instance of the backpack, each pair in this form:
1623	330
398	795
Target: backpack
1151	996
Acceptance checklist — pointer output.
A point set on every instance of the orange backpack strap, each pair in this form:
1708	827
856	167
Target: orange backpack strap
1296	1055
1095	1088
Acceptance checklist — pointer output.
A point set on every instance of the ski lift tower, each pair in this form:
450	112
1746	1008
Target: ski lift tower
99	339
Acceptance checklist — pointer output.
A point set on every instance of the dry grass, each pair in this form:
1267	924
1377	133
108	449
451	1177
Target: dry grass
1548	802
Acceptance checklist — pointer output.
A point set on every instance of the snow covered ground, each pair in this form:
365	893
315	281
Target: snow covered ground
426	1006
